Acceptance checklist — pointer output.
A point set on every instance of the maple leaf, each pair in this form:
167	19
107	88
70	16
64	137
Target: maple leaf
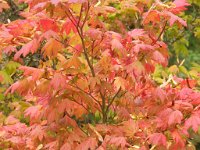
58	81
21	27
9	49
34	72
145	47
68	26
183	106
52	145
161	94
21	87
158	139
179	142
94	34
180	6
188	82
152	16
5	36
175	117
120	83
117	46
130	127
16	129
32	47
66	146
173	19
52	47
34	112
185	93
136	67
37	132
48	35
48	24
149	67
135	33
52	114
11	120
158	57
16	140
193	121
90	143
119	142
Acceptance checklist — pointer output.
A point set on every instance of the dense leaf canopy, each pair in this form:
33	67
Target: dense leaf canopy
95	74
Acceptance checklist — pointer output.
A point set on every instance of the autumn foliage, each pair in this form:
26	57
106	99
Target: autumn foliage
92	87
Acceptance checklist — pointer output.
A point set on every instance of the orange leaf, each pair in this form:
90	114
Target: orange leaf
51	48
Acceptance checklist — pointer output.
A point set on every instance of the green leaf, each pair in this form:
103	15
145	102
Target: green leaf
11	67
6	77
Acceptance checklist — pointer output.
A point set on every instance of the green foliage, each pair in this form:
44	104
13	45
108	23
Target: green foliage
185	44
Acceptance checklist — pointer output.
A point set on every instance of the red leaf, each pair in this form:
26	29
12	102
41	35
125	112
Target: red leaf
157	139
175	117
179	143
183	106
173	19
37	132
58	81
152	16
116	44
90	143
145	47
52	145
32	47
161	94
33	112
66	146
136	33
158	57
94	34
194	122
34	72
116	141
48	35
180	6
48	24
8	50
68	27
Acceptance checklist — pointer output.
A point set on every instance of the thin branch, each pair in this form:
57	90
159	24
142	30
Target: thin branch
76	123
92	51
73	17
81	104
73	47
80	15
162	31
80	33
112	100
85	19
86	93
